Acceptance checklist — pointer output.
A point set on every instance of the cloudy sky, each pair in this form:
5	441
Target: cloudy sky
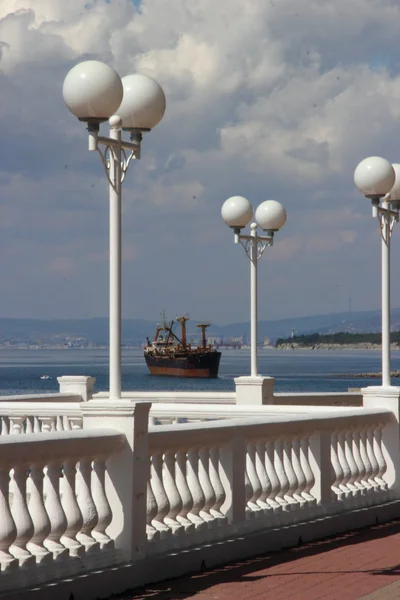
266	98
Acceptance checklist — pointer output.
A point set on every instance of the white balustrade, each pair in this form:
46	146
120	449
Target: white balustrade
280	472
34	414
46	525
228	472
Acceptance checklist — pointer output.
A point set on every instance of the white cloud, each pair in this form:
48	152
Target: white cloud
278	98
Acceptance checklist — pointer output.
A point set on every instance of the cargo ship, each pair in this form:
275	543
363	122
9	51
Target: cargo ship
171	355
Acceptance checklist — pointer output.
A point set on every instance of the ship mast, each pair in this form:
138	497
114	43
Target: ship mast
182	321
203	327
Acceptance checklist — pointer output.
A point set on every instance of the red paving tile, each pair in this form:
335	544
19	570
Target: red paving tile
349	567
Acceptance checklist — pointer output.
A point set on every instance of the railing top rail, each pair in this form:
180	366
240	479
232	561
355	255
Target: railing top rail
201	411
46	447
194	434
29	409
56	397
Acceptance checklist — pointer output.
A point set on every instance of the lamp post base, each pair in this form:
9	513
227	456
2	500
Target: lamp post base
77	384
254	390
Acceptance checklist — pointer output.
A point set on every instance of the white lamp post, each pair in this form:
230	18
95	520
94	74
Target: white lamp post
379	181
94	92
270	215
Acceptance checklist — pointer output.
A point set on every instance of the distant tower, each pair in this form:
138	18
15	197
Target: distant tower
292	333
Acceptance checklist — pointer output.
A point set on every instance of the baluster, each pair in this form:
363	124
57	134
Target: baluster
360	465
8	530
75	423
36	425
151	513
40	520
372	458
298	471
346	473
59	426
273	477
307	470
290	474
263	477
159	495
364	457
58	521
21	517
174	499
87	506
215	480
184	492
192	470
29	425
5	426
71	510
248	494
205	483
349	454
253	484
16	425
46	424
104	513
280	471
338	492
66	423
380	457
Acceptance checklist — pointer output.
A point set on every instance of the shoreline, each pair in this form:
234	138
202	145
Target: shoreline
330	347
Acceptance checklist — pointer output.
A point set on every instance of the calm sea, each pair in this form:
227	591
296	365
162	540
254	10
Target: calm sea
295	371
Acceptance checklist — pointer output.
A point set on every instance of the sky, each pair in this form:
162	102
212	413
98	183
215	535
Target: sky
268	99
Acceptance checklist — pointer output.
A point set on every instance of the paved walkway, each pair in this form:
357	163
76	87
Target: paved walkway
363	564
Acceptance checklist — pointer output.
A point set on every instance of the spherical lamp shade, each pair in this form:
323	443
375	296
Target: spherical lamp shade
270	215
92	90
237	212
395	191
374	177
144	103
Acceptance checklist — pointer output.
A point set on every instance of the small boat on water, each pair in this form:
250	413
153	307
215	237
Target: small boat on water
45	377
170	355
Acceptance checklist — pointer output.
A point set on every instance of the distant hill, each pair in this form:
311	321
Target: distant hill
134	331
355	322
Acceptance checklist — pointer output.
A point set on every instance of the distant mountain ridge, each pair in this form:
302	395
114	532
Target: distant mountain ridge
135	331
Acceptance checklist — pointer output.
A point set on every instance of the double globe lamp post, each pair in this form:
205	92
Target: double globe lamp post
95	93
379	181
270	215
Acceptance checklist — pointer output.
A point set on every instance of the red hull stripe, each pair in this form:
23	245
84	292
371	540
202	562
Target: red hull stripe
203	373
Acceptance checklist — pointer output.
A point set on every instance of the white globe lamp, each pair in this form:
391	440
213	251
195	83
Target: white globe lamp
374	177
395	191
237	212
92	91
270	215
143	104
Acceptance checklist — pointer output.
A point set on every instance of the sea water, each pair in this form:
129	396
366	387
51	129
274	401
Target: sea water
294	370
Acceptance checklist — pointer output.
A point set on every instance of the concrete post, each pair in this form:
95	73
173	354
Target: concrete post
77	384
389	398
127	472
254	390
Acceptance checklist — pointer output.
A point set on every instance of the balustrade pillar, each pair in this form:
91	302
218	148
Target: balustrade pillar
104	513
233	465
54	509
8	530
21	517
71	510
86	506
40	519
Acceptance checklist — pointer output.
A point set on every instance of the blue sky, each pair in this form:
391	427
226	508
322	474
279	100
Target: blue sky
275	99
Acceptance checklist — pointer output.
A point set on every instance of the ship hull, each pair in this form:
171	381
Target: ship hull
204	366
